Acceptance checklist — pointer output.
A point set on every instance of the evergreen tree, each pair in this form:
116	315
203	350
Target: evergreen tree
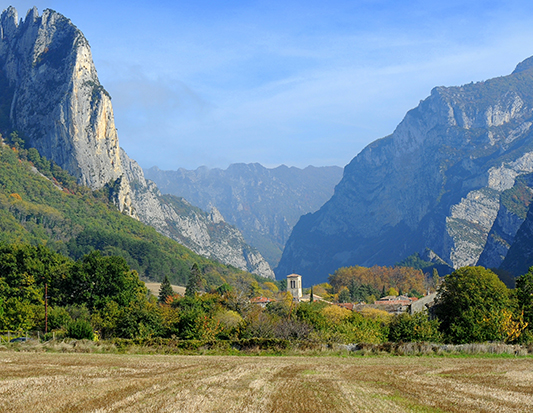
165	290
354	289
436	279
311	297
195	281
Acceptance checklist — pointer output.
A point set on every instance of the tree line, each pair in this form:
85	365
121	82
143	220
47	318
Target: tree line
103	295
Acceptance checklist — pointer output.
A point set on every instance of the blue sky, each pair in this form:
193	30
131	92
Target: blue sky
284	82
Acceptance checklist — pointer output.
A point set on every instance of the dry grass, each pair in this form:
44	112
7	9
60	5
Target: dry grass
44	382
154	288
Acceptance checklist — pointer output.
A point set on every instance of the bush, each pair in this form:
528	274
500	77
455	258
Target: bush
468	306
414	328
80	329
58	317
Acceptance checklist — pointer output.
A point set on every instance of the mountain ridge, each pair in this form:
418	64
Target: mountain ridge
436	182
264	203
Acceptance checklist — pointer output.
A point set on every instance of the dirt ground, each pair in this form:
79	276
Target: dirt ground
44	382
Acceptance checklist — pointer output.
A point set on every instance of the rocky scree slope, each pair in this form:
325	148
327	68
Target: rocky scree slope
454	177
50	92
263	203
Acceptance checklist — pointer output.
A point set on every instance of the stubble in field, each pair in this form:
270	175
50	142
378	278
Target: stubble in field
125	383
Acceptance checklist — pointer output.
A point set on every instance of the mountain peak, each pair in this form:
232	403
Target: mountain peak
524	65
8	22
447	179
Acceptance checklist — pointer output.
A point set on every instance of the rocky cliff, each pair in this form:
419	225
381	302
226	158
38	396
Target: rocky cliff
519	258
51	94
207	234
264	203
57	99
449	178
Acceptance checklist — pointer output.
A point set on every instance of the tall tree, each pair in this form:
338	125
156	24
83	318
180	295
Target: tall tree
344	296
165	290
97	279
194	284
524	293
436	279
470	305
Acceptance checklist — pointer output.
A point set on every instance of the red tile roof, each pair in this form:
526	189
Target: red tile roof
260	300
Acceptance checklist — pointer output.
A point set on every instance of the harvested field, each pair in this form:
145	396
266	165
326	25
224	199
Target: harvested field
154	288
47	382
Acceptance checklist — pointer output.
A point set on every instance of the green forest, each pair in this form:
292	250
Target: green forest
101	297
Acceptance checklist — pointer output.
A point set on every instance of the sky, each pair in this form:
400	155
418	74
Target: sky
283	82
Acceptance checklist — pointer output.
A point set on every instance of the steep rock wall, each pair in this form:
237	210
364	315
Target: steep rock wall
205	233
58	102
436	183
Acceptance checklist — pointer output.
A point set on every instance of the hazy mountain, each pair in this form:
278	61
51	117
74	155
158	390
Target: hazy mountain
453	177
263	203
51	95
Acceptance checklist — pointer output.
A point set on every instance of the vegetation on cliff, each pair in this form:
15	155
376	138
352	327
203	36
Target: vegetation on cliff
40	204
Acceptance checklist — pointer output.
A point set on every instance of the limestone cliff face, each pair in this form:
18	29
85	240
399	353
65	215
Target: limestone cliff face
58	102
519	257
50	92
437	182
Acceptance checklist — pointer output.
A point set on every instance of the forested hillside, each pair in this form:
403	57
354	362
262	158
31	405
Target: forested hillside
51	94
74	220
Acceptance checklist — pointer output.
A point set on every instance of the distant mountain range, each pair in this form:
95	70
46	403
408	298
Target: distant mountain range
263	203
455	177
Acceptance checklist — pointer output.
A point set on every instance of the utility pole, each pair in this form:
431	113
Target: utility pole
45	307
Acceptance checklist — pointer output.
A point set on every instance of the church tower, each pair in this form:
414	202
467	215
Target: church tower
294	285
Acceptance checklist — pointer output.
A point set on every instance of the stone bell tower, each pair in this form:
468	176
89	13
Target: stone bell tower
294	285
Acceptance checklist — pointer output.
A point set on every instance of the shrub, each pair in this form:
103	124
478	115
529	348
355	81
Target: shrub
58	317
292	330
335	314
359	329
375	314
229	322
414	328
80	329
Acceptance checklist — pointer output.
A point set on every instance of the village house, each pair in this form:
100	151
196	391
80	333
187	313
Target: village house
395	304
261	301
